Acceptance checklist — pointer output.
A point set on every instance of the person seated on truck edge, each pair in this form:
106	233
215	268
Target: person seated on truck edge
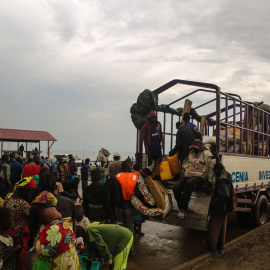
152	137
198	172
185	136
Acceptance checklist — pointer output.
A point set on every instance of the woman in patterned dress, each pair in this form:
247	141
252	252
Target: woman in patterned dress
7	250
18	204
55	242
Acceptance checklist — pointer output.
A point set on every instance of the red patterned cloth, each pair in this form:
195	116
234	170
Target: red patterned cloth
55	238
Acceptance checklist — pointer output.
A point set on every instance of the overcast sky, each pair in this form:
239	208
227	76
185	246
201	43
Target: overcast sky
74	68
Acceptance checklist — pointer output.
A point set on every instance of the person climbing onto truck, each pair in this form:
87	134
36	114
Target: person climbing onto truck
186	118
152	137
178	125
198	172
185	136
219	206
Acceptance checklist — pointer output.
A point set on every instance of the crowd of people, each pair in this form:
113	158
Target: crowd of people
48	224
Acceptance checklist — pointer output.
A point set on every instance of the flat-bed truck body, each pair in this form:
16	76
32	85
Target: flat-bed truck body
242	142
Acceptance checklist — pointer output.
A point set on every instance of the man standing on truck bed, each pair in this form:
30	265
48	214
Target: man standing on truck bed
152	137
185	136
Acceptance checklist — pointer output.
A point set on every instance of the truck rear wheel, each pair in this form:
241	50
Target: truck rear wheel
259	212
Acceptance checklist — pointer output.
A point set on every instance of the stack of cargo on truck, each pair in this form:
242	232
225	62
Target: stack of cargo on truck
238	131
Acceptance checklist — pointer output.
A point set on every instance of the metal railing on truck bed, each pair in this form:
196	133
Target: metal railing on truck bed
240	129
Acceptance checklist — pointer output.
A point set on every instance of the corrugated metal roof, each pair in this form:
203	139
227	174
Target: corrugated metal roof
25	135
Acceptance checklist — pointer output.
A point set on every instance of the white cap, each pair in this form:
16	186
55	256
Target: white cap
116	154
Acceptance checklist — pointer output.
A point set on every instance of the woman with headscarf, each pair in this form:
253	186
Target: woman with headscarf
18	203
55	242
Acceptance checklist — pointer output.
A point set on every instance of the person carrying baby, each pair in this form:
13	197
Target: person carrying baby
55	242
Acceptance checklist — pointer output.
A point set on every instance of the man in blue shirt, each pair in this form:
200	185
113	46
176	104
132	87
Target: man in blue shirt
15	170
152	137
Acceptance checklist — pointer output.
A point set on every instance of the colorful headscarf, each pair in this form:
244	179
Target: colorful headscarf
46	198
25	183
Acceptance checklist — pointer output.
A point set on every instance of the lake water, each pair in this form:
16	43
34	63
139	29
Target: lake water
93	154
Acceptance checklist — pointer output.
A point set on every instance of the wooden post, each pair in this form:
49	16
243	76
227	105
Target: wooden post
26	152
187	107
202	124
48	149
39	147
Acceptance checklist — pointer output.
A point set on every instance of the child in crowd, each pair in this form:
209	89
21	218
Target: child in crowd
7	250
82	220
71	188
82	223
55	242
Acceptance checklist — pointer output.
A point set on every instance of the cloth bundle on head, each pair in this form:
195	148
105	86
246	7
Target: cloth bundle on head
25	183
198	144
46	198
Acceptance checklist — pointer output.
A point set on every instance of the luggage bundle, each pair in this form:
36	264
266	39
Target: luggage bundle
165	170
157	201
103	155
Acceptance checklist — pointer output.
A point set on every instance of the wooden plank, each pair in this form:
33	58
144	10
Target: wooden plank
187	107
202	124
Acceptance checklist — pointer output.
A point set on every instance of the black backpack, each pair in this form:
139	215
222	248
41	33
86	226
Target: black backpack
231	200
115	190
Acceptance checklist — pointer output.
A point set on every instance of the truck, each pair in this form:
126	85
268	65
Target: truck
240	133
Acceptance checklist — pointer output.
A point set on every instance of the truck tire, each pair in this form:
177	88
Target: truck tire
259	212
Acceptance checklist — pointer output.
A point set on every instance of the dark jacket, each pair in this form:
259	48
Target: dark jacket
185	137
220	200
96	202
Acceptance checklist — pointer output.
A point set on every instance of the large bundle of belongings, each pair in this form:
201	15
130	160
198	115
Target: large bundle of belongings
154	200
146	102
103	155
233	135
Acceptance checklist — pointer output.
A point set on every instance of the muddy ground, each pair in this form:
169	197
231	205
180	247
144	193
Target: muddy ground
250	252
166	246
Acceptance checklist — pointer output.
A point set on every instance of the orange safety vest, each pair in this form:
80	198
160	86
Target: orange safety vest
128	183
